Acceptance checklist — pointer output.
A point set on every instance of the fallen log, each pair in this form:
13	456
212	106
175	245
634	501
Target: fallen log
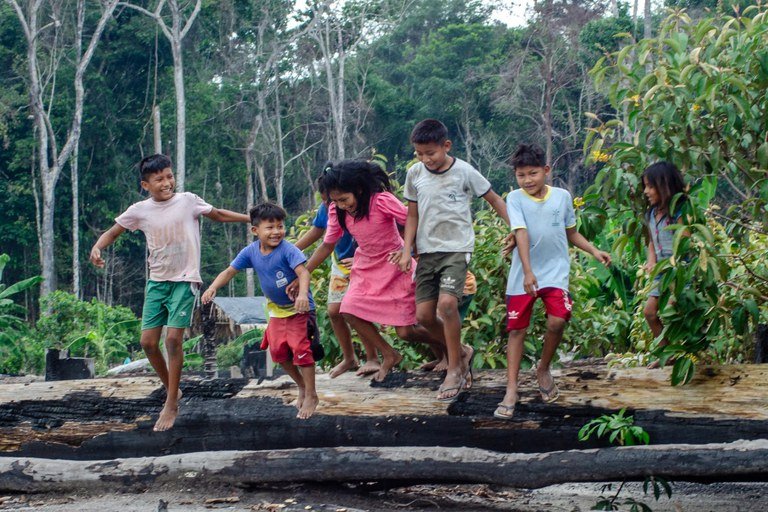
113	418
738	461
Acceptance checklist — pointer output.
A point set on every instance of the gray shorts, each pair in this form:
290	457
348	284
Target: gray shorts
441	272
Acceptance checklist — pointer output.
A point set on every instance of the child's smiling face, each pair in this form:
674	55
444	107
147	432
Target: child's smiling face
270	233
533	180
160	184
344	200
434	155
651	193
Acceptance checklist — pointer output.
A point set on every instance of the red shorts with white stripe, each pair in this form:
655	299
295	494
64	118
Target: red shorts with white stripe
557	303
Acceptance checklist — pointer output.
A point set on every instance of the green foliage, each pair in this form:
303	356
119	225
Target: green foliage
88	329
231	353
658	485
193	360
619	428
693	96
16	353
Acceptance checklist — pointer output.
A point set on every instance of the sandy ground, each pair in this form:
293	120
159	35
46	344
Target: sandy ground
721	497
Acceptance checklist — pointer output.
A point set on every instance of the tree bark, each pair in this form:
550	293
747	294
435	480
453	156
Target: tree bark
647	20
737	461
111	418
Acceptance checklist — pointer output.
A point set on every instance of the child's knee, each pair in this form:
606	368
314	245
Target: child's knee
426	316
651	313
555	324
448	306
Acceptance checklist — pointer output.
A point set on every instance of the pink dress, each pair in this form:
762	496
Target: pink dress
378	291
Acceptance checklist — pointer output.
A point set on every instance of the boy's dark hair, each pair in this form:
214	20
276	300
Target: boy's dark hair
152	164
428	131
668	181
528	155
361	178
266	211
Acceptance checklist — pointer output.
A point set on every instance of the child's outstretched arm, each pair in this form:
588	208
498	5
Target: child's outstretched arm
530	284
223	278
313	235
301	303
105	240
321	253
409	236
498	204
577	239
221	215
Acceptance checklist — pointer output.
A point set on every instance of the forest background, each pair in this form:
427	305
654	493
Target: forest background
250	98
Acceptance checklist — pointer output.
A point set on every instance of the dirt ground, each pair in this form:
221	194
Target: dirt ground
720	497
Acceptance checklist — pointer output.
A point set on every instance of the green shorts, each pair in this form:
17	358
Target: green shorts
168	303
441	272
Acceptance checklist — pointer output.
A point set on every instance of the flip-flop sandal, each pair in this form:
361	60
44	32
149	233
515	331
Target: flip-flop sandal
549	395
452	398
504	412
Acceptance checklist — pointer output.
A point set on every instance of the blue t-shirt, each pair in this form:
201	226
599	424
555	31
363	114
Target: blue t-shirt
545	220
275	271
346	246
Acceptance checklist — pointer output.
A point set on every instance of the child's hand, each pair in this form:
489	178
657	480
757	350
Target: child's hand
292	290
208	295
602	256
405	262
301	304
530	284
510	242
648	267
96	258
346	263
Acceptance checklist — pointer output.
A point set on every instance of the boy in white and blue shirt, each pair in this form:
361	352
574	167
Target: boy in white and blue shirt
544	222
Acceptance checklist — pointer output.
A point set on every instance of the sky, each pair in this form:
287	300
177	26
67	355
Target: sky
510	12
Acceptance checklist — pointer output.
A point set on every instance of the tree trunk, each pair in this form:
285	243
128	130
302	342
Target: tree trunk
111	418
738	461
157	130
180	166
647	20
75	224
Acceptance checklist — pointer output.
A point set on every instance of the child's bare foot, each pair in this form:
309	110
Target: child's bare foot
430	365
167	418
441	366
308	406
300	399
467	355
343	367
368	368
437	365
387	364
547	387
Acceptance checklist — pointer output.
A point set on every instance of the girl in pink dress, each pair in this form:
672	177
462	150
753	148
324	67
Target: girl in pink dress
363	204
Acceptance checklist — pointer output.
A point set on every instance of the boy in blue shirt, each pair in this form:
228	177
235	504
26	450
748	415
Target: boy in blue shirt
544	222
292	329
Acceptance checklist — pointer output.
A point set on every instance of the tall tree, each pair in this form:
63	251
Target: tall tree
175	33
44	46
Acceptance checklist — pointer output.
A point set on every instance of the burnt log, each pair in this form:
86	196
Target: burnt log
742	460
113	418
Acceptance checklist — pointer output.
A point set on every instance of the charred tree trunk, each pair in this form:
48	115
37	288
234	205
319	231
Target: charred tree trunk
742	460
112	418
